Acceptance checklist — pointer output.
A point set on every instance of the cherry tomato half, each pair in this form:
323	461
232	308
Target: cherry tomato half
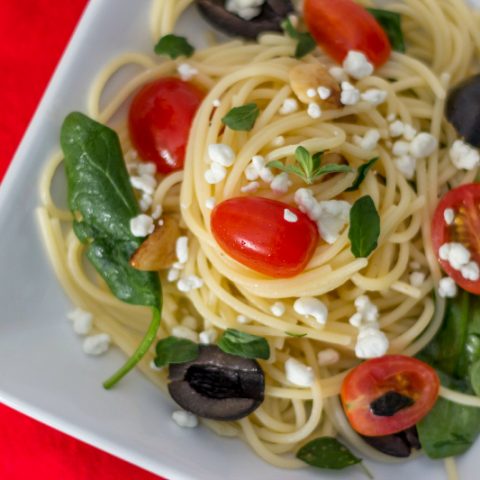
339	26
253	231
465	202
159	121
391	373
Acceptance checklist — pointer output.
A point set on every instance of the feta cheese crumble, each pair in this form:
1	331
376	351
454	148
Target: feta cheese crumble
447	288
324	93
210	203
278	309
82	321
401	148
396	128
186	71
216	103
311	93
96	345
370	140
180	331
250	187
185	419
371	343
338	73
406	165
290	105
215	174
173	275
350	95
326	357
417	279
221	154
464	156
298	373
311	307
141	225
207	337
181	249
423	145
242	319
314	110
281	183
189	283
449	216
374	96
357	65
144	183
455	254
289	216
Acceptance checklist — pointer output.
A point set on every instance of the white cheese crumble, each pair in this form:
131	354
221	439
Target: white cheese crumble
401	148
144	183
449	216
298	373
471	271
145	202
216	103
221	154
186	71
370	140
257	169
154	367
180	331
374	96
189	283
409	132
464	156
324	93
326	357
311	93
406	165
367	309
215	174
338	73
82	321
423	145
417	279
181	249
141	225
311	307
396	128
314	110
350	95
447	288
289	216
96	345
207	337
281	183
173	275
278	309
371	343
242	319
157	212
455	254
290	105
250	187
185	419
210	203
357	65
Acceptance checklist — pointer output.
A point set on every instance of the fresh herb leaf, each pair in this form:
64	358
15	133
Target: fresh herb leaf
328	453
306	43
102	200
391	22
475	377
296	335
244	345
174	46
362	174
307	166
242	118
450	428
175	350
364	227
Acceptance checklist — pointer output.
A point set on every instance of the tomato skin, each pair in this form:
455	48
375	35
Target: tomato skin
252	230
374	378
339	26
465	198
159	121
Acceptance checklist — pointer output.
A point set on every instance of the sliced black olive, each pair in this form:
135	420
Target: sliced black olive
390	403
217	385
398	445
269	20
463	109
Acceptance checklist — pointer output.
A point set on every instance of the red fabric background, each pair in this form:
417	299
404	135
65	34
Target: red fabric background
33	35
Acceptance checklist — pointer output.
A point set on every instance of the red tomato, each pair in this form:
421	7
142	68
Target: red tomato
465	202
339	26
252	230
373	378
159	121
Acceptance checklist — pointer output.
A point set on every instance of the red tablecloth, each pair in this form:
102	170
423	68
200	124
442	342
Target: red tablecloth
33	34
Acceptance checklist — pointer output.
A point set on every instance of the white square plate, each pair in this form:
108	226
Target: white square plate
43	372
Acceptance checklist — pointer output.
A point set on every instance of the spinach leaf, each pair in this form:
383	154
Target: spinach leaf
174	46
362	174
244	345
391	22
327	452
102	202
475	377
306	43
175	350
364	227
242	118
450	428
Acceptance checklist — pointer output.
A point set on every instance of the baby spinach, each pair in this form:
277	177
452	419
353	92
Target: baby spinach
174	46
102	202
364	227
175	350
244	345
451	428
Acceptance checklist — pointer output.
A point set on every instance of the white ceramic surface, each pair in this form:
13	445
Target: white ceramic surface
43	372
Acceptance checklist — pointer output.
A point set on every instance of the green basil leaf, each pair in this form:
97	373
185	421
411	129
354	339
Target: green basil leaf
244	345
475	377
242	118
174	46
328	453
175	350
306	44
364	227
362	174
289	29
101	197
296	335
391	22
